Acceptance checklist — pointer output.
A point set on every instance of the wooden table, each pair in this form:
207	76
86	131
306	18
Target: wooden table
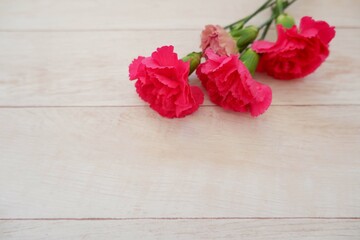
82	157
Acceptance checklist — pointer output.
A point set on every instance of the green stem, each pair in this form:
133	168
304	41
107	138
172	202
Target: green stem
264	33
274	16
248	18
288	5
268	22
262	8
279	6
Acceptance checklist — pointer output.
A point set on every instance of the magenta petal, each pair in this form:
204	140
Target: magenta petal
134	67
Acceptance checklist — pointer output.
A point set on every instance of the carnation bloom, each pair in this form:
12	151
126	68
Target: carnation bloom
218	39
296	53
162	81
231	86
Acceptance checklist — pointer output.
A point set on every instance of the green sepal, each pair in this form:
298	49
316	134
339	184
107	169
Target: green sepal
194	58
285	20
250	59
245	36
237	26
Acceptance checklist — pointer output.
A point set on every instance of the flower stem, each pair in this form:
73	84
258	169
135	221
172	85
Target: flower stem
279	6
264	33
263	7
268	22
276	15
267	4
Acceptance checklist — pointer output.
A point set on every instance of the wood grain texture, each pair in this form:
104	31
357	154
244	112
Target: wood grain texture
68	157
159	14
272	229
110	162
91	69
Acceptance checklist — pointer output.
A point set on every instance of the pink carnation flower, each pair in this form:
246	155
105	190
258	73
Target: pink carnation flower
218	39
231	86
297	52
162	81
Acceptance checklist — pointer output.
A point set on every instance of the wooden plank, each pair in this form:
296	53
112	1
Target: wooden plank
129	162
143	14
249	229
91	69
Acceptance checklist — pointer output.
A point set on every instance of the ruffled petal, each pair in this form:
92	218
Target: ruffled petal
310	28
162	81
134	67
231	86
218	39
296	53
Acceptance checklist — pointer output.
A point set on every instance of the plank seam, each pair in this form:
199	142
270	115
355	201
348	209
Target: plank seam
180	218
131	29
203	106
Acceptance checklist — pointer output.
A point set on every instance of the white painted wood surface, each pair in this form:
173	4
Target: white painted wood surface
156	14
184	229
81	157
107	162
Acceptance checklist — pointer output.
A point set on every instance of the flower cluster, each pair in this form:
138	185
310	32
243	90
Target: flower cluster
231	56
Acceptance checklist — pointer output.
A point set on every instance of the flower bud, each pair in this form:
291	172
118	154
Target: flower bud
250	60
286	20
237	26
194	58
245	36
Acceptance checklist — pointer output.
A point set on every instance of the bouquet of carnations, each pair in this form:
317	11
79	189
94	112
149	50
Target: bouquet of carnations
229	58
